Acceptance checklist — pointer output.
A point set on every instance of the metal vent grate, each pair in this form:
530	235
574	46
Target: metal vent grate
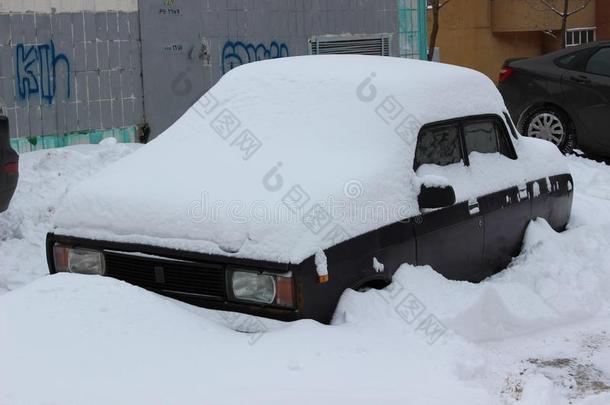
378	45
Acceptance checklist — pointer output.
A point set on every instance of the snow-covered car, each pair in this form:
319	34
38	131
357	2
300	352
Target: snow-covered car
295	179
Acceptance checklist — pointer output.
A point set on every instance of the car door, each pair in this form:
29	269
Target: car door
587	88
449	239
507	211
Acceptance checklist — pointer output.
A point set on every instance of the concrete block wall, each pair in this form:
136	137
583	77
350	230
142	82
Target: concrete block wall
173	33
75	71
70	67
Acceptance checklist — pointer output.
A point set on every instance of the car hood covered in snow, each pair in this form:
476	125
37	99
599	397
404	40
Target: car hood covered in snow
282	158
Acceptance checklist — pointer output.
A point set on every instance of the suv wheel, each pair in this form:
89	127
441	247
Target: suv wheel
551	125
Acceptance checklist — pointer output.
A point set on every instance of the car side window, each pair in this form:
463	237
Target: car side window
486	136
599	63
566	61
576	61
511	125
505	147
451	142
439	145
481	137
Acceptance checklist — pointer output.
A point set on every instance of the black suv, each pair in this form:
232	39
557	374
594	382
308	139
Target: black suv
563	97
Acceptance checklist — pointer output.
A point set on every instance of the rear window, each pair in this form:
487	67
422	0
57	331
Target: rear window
438	145
566	61
575	60
599	63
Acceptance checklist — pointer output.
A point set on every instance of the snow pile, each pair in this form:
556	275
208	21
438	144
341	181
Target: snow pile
592	181
536	333
286	137
45	178
557	279
108	342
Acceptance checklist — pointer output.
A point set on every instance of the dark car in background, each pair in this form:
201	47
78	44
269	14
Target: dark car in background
563	97
9	163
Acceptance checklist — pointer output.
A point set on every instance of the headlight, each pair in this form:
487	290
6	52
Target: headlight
262	288
255	287
78	260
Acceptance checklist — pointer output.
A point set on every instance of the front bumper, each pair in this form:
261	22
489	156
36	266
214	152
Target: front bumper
195	278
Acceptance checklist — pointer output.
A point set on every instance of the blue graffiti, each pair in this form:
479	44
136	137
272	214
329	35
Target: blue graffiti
36	68
238	53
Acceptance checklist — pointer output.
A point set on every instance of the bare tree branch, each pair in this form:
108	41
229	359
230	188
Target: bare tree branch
560	13
578	9
441	5
552	7
565	14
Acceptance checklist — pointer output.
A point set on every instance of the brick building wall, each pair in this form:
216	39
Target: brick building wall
603	19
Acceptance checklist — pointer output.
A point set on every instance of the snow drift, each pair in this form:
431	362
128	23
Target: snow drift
535	334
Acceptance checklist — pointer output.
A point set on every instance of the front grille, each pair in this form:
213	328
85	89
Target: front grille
167	275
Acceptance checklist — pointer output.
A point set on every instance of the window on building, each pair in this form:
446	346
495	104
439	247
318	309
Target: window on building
579	36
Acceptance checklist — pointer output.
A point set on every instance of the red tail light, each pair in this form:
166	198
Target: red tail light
11	168
505	73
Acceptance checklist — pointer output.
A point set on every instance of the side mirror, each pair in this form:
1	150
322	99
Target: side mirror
436	196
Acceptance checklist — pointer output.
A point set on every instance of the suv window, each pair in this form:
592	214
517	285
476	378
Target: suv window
439	145
599	63
451	142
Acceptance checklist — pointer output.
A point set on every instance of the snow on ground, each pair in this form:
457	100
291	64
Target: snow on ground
45	178
537	333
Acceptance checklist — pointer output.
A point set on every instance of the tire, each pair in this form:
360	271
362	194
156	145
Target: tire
372	285
552	125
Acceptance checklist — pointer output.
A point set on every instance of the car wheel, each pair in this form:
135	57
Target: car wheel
551	125
372	284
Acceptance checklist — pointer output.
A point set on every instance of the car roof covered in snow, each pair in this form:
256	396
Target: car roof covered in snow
268	164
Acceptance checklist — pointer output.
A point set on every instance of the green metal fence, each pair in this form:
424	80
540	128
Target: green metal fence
123	135
412	28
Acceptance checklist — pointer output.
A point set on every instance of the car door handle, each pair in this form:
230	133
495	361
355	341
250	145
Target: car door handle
473	206
580	79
